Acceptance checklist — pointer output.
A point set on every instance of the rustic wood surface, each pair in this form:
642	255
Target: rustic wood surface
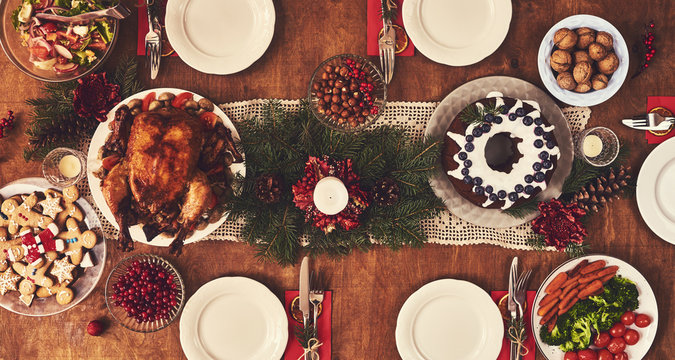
369	288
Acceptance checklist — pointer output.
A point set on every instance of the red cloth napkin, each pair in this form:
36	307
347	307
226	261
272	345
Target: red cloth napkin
667	102
375	25
506	347
143	28
293	349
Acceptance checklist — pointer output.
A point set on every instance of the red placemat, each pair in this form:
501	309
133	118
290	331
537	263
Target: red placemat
293	349
143	29
375	25
529	343
667	102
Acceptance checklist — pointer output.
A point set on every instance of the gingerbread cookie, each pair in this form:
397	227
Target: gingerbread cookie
46	241
34	273
10	250
70	208
70	194
64	294
8	280
27	289
23	215
76	240
4	219
63	270
51	205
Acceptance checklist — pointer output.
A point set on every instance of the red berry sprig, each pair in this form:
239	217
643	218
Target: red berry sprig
146	292
6	123
649	52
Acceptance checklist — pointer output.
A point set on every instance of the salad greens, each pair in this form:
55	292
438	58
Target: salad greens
574	329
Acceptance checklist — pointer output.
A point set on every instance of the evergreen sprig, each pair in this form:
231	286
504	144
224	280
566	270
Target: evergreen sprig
573	250
280	142
475	114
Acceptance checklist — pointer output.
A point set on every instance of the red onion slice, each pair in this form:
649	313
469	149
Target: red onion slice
65	68
63	51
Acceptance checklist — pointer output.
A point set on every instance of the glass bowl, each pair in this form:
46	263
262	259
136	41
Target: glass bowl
120	314
51	167
334	121
10	40
598	146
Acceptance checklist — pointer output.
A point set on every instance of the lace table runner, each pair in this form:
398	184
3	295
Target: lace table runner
444	229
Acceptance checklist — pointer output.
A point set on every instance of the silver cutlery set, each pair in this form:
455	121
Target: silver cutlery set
517	298
651	121
311	292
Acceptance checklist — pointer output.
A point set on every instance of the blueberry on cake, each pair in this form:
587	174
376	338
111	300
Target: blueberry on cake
500	151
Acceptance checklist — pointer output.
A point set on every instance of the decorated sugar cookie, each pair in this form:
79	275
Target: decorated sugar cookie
76	240
70	208
8	280
51	206
63	270
22	214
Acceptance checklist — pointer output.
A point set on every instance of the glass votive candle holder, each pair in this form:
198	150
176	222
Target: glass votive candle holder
598	146
63	167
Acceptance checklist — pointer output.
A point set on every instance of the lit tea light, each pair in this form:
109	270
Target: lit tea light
592	146
330	195
70	166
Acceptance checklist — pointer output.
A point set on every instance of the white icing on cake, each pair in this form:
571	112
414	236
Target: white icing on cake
500	181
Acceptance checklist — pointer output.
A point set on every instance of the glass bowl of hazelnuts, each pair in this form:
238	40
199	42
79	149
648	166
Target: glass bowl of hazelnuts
347	93
583	60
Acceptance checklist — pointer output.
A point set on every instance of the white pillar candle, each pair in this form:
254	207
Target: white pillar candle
592	146
70	166
330	195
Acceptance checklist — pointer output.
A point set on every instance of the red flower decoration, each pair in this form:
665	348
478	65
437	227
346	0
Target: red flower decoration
95	96
560	224
303	194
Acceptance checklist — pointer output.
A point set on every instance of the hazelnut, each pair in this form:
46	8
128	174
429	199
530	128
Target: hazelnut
582	72
583	87
566	81
609	64
596	51
565	39
561	60
581	55
599	81
605	39
586	37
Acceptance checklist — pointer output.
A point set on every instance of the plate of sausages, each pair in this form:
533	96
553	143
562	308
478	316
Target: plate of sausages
580	278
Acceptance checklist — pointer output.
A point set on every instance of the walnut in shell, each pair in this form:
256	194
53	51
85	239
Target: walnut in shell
565	39
566	81
596	51
609	64
561	60
583	87
585	37
599	81
582	55
605	39
582	72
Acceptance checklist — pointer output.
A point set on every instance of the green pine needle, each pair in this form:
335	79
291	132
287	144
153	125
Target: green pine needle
476	115
537	242
574	250
524	209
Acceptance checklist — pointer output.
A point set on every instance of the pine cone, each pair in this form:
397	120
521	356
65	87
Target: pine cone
594	195
386	192
268	188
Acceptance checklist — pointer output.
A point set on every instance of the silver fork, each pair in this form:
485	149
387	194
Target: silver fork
118	11
387	45
521	287
651	121
316	297
153	44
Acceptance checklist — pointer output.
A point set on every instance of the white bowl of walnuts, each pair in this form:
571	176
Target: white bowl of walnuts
583	60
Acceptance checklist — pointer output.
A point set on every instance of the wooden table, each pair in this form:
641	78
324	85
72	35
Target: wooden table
369	288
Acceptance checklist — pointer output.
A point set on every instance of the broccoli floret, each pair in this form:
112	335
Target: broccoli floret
567	346
555	337
581	333
619	292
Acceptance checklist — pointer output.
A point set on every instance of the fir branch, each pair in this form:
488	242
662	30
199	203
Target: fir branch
523	210
387	11
125	76
475	114
537	242
582	172
574	250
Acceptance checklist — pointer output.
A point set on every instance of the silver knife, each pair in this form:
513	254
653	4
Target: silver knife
304	292
511	305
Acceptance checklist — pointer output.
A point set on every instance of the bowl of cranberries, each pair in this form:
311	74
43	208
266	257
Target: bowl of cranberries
347	93
144	293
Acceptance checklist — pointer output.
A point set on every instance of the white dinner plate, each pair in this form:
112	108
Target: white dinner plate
89	277
232	318
512	87
655	190
94	164
449	319
220	36
647	306
457	32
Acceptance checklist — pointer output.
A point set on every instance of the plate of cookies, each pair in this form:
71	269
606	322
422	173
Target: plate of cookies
52	248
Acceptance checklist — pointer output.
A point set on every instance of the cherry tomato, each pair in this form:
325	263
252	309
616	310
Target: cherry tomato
621	356
642	320
587	354
210	119
571	355
628	318
616	345
110	162
48	27
602	340
604	354
180	99
631	336
150	97
617	330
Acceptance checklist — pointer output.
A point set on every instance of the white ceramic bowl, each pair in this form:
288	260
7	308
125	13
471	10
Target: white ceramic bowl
592	97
